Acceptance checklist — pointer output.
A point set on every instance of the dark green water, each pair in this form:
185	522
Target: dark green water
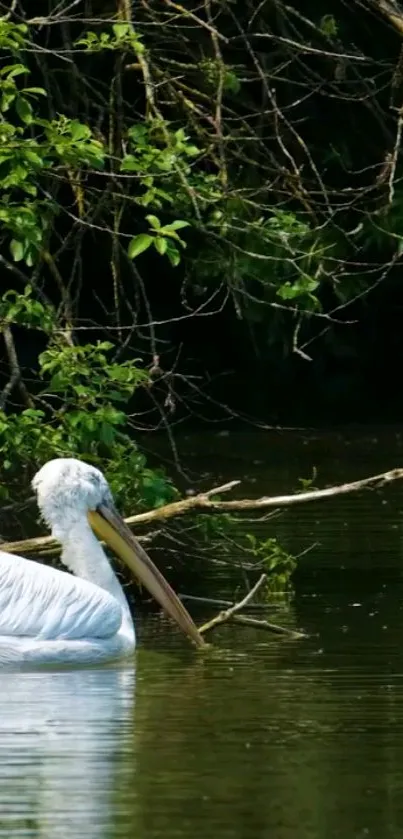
262	737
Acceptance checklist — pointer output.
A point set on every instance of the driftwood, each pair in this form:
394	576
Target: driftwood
43	546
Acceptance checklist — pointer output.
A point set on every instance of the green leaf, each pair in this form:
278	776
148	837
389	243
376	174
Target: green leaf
12	70
173	255
328	26
130	164
191	151
29	257
120	30
160	245
17	250
33	157
106	434
177	225
154	222
33	413
138	133
288	291
231	82
304	285
30	189
81	390
24	110
139	244
79	131
37	90
6	100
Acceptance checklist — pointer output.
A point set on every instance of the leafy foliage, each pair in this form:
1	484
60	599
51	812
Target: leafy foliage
80	412
81	407
227	541
162	237
278	563
207	172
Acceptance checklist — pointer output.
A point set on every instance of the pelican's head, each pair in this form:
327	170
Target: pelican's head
68	491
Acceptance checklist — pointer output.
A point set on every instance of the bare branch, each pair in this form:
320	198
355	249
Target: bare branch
15	372
203	503
225	616
262	624
231	615
45	547
391	11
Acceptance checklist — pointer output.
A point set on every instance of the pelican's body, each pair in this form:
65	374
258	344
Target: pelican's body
48	616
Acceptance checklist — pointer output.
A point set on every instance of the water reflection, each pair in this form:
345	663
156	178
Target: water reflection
61	738
263	737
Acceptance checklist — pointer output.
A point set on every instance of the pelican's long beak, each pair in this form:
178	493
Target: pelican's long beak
110	527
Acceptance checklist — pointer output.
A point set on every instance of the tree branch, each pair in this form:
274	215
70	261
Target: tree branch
392	13
203	502
270	627
223	617
231	614
15	372
45	546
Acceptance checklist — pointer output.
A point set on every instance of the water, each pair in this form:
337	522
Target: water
262	737
60	738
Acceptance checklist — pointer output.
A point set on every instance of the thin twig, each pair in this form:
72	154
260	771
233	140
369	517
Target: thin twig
225	616
199	21
271	627
231	615
222	604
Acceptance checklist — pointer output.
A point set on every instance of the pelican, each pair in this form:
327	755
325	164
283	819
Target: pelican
49	616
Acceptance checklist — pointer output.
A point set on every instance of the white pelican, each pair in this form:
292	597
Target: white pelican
50	617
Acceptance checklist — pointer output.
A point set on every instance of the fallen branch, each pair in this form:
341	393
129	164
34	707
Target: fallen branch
223	617
231	615
204	503
46	545
271	627
224	604
43	546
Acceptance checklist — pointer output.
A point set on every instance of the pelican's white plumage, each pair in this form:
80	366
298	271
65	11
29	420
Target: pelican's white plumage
49	616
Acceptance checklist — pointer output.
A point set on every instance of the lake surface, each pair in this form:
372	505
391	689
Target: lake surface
261	737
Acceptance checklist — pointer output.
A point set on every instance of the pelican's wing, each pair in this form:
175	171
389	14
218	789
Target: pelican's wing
41	602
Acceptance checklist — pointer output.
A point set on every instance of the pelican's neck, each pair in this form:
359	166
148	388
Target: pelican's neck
84	556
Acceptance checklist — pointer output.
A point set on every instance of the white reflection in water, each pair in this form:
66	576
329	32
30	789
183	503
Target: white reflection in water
60	738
